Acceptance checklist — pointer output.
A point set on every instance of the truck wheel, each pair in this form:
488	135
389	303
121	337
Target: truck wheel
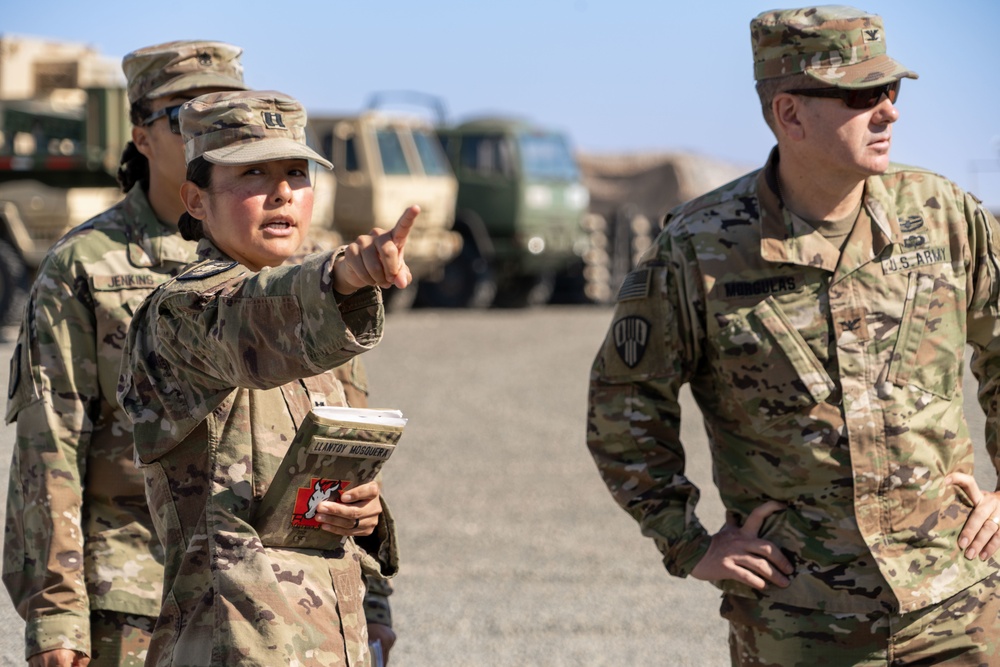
467	282
13	285
527	291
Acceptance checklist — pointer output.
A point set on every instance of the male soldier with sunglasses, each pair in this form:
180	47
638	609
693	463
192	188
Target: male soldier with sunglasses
819	309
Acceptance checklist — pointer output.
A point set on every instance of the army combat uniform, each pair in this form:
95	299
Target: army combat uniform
220	367
78	537
830	381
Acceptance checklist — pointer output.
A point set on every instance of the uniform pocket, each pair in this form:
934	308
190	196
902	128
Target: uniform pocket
929	350
769	370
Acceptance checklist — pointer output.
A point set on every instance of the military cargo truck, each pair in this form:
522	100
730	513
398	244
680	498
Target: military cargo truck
383	163
520	208
63	124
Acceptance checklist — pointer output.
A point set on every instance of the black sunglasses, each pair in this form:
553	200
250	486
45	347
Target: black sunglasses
855	98
173	114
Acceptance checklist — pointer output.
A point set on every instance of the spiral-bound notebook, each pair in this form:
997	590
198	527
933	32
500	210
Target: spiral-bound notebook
334	448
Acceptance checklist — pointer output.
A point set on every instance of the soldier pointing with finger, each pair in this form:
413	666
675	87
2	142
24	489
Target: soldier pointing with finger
818	308
220	367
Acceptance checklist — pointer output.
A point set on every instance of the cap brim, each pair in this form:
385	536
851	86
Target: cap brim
265	150
867	74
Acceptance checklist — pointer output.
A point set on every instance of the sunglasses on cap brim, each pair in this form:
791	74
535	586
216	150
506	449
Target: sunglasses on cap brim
173	114
855	98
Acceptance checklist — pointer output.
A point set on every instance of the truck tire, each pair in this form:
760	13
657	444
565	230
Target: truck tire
13	285
526	291
467	282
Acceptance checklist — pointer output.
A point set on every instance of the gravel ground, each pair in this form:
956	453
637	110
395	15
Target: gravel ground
513	551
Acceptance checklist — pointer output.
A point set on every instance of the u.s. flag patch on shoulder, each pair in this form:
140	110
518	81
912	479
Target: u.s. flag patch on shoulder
631	336
635	285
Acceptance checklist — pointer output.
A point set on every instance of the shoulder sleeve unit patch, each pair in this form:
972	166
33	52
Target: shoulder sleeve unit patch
631	336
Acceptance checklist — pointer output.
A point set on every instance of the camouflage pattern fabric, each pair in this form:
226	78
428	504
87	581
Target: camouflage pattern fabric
220	366
78	536
839	45
119	640
959	631
175	67
831	382
246	127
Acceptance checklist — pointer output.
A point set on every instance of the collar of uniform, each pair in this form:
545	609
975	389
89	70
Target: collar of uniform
151	241
882	208
208	250
784	237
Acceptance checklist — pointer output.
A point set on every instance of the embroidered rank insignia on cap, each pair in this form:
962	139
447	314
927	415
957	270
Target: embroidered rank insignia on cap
273	120
631	338
635	285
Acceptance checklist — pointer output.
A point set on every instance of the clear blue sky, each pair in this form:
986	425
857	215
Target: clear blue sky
618	75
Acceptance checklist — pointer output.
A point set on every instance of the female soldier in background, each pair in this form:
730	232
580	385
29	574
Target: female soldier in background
80	561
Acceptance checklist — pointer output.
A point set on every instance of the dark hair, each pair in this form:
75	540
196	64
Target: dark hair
133	167
199	172
139	111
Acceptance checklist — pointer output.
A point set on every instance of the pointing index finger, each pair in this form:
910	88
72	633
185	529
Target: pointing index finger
402	229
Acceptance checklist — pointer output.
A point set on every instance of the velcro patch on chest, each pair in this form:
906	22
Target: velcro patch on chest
631	336
206	270
915	259
741	289
128	281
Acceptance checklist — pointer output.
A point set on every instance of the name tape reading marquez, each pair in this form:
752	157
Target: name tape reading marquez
348	448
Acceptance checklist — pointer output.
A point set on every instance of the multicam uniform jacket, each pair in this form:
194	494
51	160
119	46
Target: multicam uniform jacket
220	367
829	381
78	535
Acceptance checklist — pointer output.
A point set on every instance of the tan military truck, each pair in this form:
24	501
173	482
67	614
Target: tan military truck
384	162
63	124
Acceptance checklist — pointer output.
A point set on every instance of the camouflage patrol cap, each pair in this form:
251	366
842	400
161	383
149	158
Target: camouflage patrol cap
174	67
836	44
245	127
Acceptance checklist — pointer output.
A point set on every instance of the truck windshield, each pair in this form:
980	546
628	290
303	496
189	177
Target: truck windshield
431	155
391	150
546	156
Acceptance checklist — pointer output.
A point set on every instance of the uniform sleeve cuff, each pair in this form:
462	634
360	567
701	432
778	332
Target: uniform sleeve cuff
685	554
380	550
65	630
